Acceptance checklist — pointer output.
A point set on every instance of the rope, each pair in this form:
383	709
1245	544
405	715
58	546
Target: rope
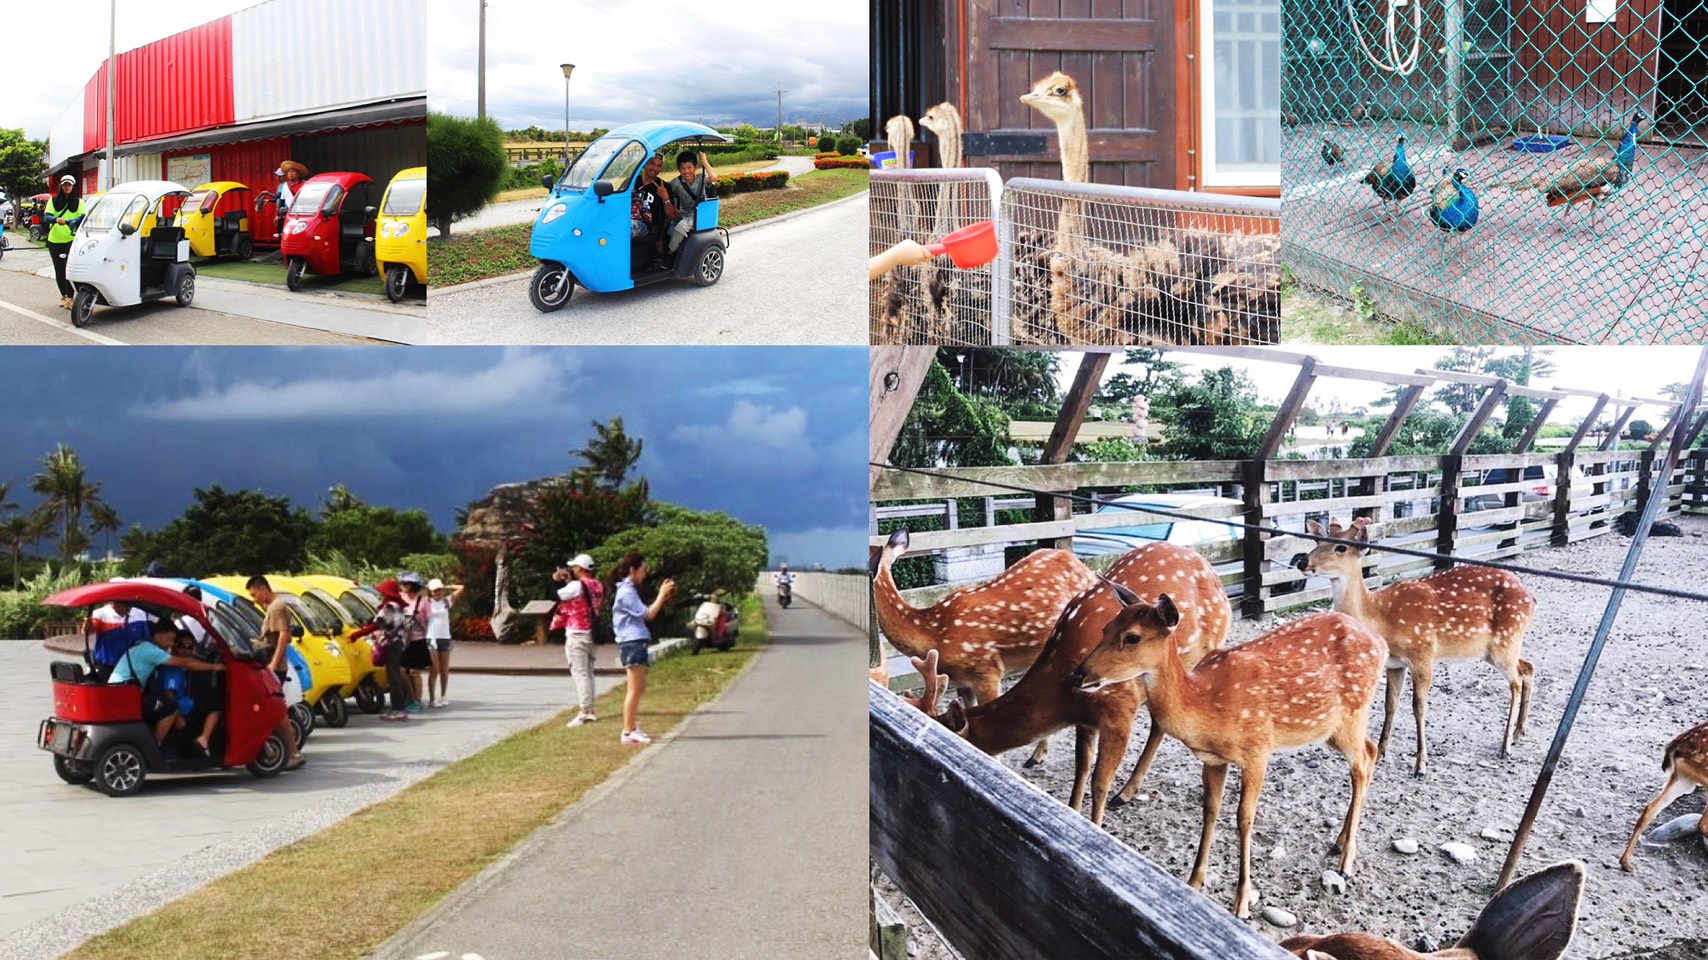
1320	538
1395	64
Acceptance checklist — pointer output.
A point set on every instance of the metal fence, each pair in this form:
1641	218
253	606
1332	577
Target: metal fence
1083	264
1585	230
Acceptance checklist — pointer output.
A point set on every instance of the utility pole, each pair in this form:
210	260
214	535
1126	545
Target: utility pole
112	85
780	92
481	101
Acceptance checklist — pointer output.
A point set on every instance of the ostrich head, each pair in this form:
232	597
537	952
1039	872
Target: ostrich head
943	120
1057	97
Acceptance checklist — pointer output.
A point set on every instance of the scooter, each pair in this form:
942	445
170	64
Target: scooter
127	252
711	627
400	243
785	595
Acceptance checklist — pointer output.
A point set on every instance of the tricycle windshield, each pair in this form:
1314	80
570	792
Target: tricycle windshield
310	196
231	627
358	608
203	202
587	167
322	607
113	209
404	198
310	617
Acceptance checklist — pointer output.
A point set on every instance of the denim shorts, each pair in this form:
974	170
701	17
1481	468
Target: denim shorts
442	644
634	654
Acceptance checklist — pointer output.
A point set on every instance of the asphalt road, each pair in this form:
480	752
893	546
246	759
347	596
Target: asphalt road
742	836
794	280
74	862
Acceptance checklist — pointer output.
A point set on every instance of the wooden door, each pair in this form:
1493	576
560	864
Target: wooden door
1121	55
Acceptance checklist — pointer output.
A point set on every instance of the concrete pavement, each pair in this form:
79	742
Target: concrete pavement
74	862
744	835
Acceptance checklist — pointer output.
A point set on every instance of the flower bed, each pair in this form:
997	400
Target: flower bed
842	163
750	182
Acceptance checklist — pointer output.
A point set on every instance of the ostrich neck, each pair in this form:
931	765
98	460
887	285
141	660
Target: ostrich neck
952	149
1071	135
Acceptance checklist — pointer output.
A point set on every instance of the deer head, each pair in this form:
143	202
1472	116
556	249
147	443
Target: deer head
1056	96
887	554
1135	643
1337	560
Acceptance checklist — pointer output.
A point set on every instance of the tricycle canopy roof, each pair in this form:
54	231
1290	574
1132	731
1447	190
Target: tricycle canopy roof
656	133
345	180
152	189
223	186
410	173
128	591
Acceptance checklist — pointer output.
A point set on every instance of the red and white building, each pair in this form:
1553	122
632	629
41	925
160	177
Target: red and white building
332	84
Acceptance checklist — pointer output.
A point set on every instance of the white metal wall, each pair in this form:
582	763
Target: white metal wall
65	139
300	56
143	166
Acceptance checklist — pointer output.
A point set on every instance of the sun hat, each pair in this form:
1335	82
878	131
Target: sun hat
292	165
411	578
388	589
583	561
435	584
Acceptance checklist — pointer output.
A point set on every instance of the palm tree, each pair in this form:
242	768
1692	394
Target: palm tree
66	492
105	520
16	531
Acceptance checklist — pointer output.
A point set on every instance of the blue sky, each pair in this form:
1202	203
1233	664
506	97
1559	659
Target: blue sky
775	436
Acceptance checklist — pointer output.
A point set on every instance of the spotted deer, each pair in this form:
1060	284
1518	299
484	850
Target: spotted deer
1533	919
1685	762
1307	681
1046	699
1466	613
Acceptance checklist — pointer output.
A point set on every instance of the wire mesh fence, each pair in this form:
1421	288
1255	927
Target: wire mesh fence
1580	127
1084	264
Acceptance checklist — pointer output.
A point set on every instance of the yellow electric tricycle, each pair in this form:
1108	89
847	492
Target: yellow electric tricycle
219	220
400	240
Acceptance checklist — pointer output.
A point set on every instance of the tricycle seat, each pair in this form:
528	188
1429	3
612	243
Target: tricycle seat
163	242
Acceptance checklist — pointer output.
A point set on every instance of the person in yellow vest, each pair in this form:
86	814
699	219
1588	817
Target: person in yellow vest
63	214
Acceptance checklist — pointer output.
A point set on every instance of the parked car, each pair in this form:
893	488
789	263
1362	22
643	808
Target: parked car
1540	477
1153	528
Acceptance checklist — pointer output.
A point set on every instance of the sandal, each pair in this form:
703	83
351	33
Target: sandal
301	762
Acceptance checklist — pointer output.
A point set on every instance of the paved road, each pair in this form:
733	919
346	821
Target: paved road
224	312
790	281
744	836
74	862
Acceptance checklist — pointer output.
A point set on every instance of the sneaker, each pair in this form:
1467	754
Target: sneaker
444	703
636	736
414	706
576	720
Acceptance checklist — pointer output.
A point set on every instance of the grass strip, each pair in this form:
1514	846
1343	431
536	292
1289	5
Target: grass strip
1310	319
500	251
274	273
346	889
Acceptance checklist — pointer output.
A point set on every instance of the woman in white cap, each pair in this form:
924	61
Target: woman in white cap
579	600
64	213
439	602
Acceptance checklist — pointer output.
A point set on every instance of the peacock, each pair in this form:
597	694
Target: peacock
1332	153
1453	208
1591	179
1393	179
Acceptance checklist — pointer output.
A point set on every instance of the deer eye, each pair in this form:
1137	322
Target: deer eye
1340	548
1129	639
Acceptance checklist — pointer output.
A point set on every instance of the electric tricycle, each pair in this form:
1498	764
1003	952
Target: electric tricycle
97	733
582	232
219	220
327	670
400	244
329	229
369	682
127	251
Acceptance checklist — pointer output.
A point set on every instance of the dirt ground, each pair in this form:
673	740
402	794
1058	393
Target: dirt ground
1651	684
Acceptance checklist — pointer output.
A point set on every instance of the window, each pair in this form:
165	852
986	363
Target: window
403	198
591	160
624	167
1240	57
358	609
113	208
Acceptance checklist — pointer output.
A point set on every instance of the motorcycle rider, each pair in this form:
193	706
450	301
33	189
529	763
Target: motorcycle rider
785	584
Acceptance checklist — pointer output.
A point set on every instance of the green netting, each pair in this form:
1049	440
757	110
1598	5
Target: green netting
1462	85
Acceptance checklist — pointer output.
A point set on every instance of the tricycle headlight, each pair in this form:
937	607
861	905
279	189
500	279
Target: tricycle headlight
297	226
87	246
554	211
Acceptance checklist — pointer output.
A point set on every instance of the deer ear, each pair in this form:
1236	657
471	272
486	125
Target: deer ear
1166	612
1314	528
1127	597
898	540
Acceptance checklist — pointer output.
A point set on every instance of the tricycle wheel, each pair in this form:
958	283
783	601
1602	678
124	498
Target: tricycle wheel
73	771
302	720
293	273
396	282
244	248
4	243
270	760
186	293
369	699
82	306
551	287
333	708
710	267
119	770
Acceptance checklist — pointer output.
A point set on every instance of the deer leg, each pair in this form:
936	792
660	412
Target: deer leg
1421	676
1527	677
1038	752
1250	788
1676	786
1152	741
1215	776
1360	754
1084	742
1111	747
1391	700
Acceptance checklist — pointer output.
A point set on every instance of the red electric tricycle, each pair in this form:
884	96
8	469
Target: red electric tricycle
329	229
97	735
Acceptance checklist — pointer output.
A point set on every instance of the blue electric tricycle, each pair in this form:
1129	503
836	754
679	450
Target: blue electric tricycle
582	232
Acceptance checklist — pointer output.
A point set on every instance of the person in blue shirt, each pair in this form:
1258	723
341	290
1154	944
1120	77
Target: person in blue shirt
138	665
629	616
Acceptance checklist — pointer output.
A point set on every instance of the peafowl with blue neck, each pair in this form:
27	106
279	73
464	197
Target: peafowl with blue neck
1453	208
1393	180
1592	180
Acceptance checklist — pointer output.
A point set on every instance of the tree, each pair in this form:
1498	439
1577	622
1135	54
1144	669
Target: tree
610	454
19	530
948	427
1157	374
1462	398
702	552
746	133
21	167
466	167
376	536
240	531
861	128
338	499
1639	429
66	493
1015	379
104	519
136	543
1217	418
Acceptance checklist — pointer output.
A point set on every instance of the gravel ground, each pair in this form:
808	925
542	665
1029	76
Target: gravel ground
1652	683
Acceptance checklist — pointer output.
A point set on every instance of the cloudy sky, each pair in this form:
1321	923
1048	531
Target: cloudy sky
715	60
773	436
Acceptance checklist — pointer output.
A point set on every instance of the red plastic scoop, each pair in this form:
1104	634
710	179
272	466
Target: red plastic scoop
972	246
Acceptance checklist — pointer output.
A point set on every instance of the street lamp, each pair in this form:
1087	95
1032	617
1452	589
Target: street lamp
568	68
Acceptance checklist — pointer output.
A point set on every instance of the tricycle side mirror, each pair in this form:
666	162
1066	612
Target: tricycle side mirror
369	212
296	631
603	189
547	181
126	229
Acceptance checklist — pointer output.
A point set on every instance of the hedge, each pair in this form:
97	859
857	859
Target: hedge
751	182
842	163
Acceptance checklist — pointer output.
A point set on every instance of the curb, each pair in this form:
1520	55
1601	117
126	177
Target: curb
510	277
261	285
480	882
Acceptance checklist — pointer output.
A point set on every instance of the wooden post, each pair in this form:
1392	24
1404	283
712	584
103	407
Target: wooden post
1289	409
1255	493
1447	521
1612	440
1535	428
1402	409
1468	433
1562	529
1587	424
1696	431
1646	479
1062	435
893	382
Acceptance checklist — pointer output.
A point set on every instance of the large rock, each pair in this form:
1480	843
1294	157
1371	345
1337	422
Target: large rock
500	514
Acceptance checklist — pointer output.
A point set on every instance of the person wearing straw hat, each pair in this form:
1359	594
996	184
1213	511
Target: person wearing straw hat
393	621
64	213
440	599
579	600
293	174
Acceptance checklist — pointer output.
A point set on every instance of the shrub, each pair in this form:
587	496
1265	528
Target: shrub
471	628
22	613
842	163
822	156
466	167
848	146
750	182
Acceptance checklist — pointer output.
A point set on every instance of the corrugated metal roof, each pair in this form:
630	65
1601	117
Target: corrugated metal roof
371	115
297	56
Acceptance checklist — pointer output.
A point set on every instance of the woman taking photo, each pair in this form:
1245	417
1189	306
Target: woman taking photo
629	616
64	213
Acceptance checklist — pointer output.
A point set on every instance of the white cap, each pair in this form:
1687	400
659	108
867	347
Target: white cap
583	561
435	584
68	178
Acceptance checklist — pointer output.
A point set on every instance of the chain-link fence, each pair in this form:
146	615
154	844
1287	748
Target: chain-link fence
1079	264
1580	126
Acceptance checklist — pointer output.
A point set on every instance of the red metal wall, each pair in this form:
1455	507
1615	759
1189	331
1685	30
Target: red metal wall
176	85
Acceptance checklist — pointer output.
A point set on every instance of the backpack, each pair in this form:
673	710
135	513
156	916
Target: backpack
602	632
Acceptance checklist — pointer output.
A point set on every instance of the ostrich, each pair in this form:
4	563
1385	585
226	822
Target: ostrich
954	309
945	121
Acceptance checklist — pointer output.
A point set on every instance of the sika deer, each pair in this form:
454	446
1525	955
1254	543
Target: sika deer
1466	613
1046	699
1304	682
1532	919
1685	761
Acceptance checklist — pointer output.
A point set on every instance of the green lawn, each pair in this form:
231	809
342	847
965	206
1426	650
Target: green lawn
346	890
480	254
1308	318
274	273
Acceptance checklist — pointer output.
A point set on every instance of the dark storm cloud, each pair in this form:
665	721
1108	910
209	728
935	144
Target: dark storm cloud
773	436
